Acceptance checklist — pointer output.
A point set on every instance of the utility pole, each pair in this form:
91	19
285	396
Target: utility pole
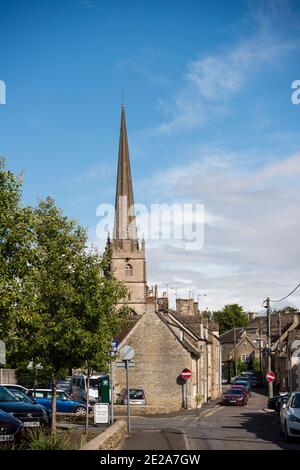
269	345
279	324
128	396
235	364
111	392
259	335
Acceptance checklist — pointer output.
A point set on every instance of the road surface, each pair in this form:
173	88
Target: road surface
217	427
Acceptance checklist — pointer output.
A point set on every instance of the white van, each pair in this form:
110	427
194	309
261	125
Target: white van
79	387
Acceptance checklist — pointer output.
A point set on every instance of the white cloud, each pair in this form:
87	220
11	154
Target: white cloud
212	80
251	248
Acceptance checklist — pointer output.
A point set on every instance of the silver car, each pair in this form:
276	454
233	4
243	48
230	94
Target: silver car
290	417
137	397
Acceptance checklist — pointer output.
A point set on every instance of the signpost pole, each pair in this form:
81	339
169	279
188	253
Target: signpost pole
128	397
111	392
270	387
185	375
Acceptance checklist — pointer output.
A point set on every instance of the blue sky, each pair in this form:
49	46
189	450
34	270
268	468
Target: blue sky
209	114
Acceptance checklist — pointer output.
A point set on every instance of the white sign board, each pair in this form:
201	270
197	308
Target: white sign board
122	364
100	413
37	366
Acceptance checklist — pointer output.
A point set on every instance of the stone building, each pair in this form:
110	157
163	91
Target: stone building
286	356
239	345
165	341
246	344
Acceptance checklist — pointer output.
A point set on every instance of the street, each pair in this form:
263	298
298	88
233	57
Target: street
216	427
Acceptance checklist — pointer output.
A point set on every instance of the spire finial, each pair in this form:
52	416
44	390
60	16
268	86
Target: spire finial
122	99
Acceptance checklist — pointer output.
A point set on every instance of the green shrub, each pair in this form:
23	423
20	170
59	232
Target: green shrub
39	440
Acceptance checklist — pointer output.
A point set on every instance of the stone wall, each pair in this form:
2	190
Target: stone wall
8	376
159	360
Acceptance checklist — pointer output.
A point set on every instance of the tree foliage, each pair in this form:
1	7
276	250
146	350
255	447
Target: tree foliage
232	315
59	297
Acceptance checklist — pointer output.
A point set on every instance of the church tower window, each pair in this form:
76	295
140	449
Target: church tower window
128	270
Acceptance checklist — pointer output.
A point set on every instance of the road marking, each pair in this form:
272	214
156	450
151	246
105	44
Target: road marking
186	441
211	412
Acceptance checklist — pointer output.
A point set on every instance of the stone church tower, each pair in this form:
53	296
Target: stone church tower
128	256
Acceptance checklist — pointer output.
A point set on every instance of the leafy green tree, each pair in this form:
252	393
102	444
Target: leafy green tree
287	309
231	316
15	243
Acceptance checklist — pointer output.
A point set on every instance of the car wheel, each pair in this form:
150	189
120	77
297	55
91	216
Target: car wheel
79	409
281	433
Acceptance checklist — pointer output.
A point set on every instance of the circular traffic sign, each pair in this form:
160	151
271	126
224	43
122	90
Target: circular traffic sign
127	353
270	376
186	374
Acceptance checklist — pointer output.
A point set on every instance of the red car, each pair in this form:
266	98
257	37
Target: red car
235	396
245	390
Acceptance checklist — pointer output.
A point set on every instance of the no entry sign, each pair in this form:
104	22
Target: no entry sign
186	374
270	376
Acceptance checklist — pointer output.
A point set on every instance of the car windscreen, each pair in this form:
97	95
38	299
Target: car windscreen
6	395
136	394
94	383
235	391
22	396
296	402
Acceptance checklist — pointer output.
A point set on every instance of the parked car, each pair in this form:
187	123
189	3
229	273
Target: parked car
275	403
10	428
65	385
251	377
235	396
64	402
224	381
79	387
27	399
15	387
243	388
30	414
290	417
243	382
137	397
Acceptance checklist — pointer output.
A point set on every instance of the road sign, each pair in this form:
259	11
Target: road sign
186	374
127	353
114	345
122	364
100	413
37	366
270	376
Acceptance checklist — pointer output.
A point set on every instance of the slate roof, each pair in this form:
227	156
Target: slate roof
260	323
133	320
228	336
188	346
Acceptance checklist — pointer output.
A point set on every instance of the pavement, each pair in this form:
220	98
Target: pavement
213	427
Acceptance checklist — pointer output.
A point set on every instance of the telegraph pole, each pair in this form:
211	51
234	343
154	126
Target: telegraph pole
270	391
235	364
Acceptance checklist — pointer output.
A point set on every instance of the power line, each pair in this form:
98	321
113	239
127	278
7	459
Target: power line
283	298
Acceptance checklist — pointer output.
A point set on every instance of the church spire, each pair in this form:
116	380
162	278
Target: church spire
125	223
